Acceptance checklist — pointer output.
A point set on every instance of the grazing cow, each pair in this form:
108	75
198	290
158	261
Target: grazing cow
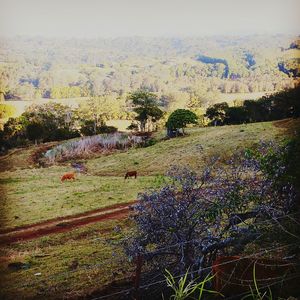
131	174
68	176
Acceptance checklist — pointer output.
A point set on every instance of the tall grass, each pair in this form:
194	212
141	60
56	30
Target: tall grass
185	289
86	146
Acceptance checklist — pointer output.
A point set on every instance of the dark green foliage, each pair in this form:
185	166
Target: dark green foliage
133	127
107	129
60	134
180	118
34	131
236	115
217	113
284	104
57	121
256	112
14	132
89	128
149	142
47	122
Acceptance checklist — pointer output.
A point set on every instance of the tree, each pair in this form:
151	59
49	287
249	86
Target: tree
6	110
217	113
35	131
236	115
146	107
14	131
100	109
88	128
179	119
58	121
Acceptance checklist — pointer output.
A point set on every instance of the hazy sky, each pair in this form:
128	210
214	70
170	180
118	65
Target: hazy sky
106	18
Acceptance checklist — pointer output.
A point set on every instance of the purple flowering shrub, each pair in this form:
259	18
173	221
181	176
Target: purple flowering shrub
194	216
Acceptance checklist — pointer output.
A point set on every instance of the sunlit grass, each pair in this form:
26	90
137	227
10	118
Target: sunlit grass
38	194
34	194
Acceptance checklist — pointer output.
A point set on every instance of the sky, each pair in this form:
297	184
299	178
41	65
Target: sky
115	18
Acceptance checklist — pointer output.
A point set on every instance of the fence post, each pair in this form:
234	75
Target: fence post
139	263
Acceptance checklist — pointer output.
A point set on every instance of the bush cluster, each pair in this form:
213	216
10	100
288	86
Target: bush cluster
284	104
196	216
85	146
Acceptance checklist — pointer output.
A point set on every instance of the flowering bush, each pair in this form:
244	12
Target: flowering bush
87	145
195	216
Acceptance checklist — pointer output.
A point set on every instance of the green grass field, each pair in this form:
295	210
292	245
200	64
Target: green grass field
30	195
76	263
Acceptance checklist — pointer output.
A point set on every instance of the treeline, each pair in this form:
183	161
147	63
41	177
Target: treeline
281	105
32	68
54	122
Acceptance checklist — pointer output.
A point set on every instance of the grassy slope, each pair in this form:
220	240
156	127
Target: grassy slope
185	151
92	246
37	194
30	195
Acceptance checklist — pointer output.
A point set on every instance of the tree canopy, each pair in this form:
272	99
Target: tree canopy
145	105
174	69
281	105
217	113
180	118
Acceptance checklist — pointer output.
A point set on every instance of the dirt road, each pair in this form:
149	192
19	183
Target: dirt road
64	224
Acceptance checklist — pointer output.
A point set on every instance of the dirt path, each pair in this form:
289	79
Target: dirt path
64	224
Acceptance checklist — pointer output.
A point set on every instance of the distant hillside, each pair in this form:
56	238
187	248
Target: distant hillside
176	69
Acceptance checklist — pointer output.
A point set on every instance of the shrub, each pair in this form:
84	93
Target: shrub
194	216
107	129
14	132
88	128
88	145
34	131
60	134
179	119
133	127
149	142
281	105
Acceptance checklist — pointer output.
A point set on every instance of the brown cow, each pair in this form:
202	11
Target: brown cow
131	174
68	176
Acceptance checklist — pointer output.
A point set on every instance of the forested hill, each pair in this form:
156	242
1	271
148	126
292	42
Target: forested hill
192	69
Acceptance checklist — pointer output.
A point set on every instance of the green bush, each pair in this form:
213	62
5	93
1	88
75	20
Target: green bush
180	118
149	142
107	129
35	131
60	134
88	128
